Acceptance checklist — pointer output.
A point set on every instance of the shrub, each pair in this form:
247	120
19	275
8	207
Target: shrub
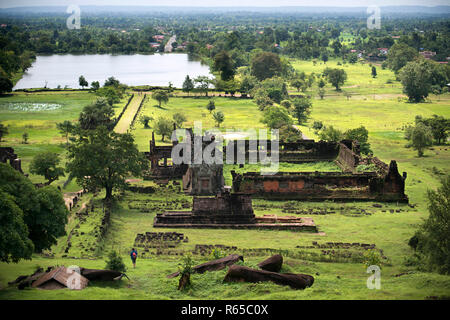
115	262
372	257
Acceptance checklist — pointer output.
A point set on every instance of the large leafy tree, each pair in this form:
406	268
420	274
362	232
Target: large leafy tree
6	84
399	55
224	64
188	85
219	117
203	83
3	131
50	224
432	241
46	164
360	134
44	210
82	82
104	159
163	127
276	117
14	242
266	65
161	96
335	76
416	80
420	137
65	128
99	113
301	109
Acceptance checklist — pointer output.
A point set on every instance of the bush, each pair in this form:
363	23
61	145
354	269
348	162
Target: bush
372	257
432	240
115	262
216	254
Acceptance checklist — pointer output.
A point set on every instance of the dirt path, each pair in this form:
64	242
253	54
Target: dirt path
298	128
128	115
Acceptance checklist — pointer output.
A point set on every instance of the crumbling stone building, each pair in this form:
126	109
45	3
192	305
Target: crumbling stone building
7	154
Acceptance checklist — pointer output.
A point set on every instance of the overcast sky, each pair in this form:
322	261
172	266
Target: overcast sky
223	3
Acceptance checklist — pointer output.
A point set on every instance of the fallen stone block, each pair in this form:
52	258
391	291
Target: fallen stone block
245	274
273	263
213	265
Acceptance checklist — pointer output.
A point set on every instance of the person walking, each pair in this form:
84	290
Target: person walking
133	255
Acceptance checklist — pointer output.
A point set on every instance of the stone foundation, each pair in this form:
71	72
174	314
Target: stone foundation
228	211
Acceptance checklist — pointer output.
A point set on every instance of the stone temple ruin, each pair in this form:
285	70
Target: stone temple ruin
218	206
7	154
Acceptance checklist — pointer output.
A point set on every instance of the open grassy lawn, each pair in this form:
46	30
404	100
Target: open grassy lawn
240	114
374	104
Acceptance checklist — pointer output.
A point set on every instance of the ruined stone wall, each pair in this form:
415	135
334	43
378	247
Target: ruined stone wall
293	152
7	155
323	185
347	159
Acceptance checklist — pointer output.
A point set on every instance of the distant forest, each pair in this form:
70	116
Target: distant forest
27	32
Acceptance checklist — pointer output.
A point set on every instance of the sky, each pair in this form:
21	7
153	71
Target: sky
225	3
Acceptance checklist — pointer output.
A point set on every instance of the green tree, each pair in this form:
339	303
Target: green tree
261	98
65	128
99	113
433	236
329	133
188	85
6	84
110	93
82	82
104	160
439	125
3	131
288	133
95	85
115	262
211	106
301	109
374	72
219	117
46	164
336	77
399	55
44	209
203	84
420	137
416	80
360	134
297	84
163	127
14	242
247	84
265	65
145	120
321	93
25	137
276	117
224	64
179	118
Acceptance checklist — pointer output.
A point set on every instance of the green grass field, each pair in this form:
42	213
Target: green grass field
374	103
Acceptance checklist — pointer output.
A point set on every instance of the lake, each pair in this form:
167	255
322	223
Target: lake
138	69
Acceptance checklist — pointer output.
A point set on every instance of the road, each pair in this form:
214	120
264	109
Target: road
168	46
125	121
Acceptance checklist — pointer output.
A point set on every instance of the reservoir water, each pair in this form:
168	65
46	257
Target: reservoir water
156	69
